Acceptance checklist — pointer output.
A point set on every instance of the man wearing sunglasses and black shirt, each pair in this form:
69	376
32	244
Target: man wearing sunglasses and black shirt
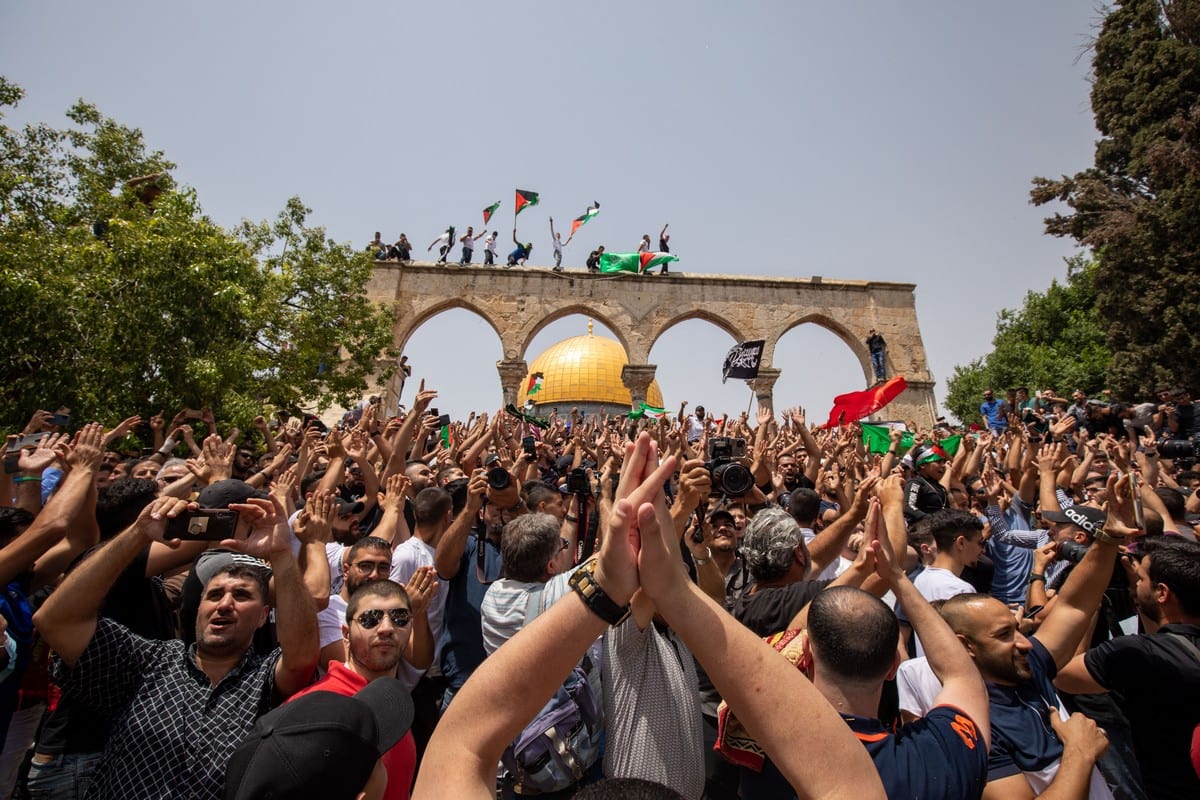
379	617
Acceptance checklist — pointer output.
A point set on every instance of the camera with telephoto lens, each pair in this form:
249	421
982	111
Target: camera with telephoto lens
1072	551
1184	452
729	477
498	478
577	482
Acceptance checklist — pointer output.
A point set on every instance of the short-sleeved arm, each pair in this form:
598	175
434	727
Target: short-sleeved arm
110	670
962	744
1117	662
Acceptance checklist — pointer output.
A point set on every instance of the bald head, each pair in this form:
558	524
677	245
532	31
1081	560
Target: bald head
964	612
853	635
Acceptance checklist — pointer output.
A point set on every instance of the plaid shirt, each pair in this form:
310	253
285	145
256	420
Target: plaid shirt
174	731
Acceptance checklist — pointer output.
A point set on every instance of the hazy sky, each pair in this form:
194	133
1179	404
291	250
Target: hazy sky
885	141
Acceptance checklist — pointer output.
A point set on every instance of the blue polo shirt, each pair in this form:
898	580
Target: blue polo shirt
462	638
1022	739
994	410
941	755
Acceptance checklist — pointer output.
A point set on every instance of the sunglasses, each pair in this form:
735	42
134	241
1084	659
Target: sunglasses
371	619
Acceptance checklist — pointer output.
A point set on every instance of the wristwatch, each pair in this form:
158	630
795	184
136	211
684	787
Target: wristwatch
583	581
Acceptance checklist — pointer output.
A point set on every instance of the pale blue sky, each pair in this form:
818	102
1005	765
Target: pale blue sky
881	140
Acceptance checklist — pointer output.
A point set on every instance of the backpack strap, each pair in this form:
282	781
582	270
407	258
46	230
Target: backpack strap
1187	643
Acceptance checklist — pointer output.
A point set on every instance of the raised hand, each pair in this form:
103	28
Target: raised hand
122	430
218	456
45	454
395	490
40	421
267	532
421	588
314	522
87	451
695	484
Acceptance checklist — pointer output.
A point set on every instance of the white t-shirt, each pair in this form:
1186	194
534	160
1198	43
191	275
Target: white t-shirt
935	583
831	569
557	245
331	619
406	558
489	244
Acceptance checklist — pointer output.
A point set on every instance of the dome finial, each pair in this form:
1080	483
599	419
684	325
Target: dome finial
589	326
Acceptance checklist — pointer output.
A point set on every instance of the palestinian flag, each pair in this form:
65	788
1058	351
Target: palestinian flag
525	198
633	262
535	383
487	212
648	411
583	218
446	436
930	454
877	439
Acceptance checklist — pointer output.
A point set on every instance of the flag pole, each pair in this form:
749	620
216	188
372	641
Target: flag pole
750	386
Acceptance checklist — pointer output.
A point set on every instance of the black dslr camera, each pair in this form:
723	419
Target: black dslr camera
1184	452
729	477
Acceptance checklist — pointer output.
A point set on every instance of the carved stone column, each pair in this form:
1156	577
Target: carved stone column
637	378
764	386
511	375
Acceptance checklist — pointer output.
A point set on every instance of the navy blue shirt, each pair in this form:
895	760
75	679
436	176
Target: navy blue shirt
1022	739
940	755
462	638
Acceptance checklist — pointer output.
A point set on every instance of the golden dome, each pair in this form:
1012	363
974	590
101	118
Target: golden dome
584	369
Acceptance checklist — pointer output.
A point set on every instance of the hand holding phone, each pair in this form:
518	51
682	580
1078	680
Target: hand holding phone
202	525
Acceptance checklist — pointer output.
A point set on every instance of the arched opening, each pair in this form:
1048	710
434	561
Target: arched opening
581	359
565	323
815	366
455	352
689	355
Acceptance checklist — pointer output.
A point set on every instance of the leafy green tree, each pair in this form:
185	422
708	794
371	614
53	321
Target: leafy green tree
1136	208
1055	340
119	296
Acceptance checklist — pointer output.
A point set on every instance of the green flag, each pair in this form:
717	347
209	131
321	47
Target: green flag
648	411
633	262
951	444
877	439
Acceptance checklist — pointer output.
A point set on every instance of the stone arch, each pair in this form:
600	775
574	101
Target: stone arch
519	302
702	314
530	332
857	346
405	332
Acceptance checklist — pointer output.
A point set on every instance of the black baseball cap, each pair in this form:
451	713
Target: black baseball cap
720	512
1089	518
322	744
222	493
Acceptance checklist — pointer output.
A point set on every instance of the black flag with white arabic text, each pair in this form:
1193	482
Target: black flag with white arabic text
742	361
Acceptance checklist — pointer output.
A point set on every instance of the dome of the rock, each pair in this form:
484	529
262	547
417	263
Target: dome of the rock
584	372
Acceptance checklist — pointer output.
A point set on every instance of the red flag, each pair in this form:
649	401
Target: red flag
856	405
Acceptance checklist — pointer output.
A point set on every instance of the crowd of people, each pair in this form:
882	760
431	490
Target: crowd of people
594	606
447	240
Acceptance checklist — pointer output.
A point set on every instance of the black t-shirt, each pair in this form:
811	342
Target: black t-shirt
138	603
876	343
1185	418
1157	679
769	611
